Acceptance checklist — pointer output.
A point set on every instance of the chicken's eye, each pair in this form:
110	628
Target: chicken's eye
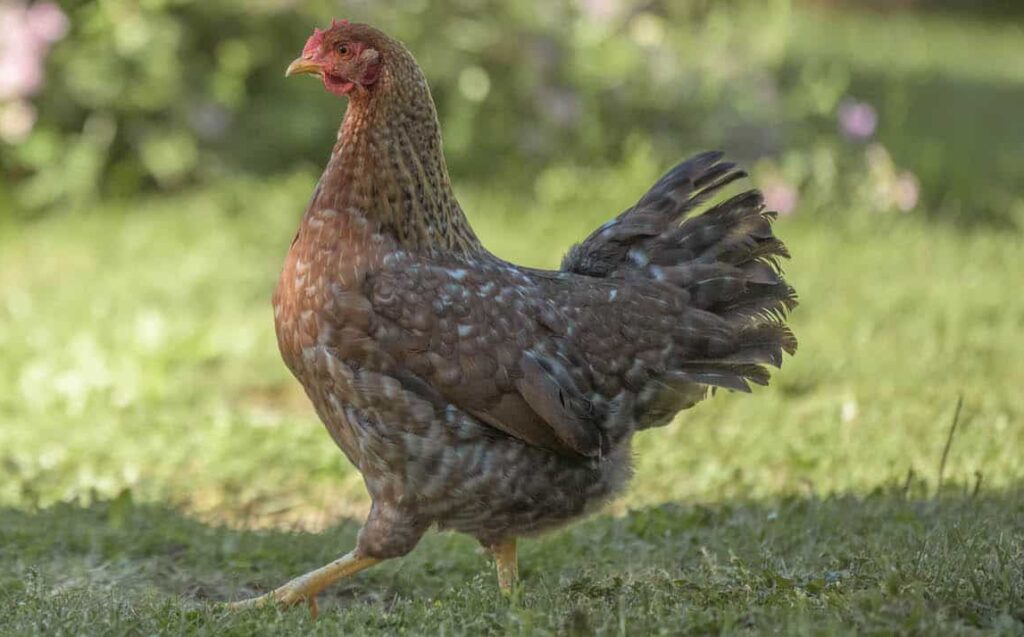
342	49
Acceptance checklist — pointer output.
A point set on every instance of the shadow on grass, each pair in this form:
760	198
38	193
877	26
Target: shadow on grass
887	561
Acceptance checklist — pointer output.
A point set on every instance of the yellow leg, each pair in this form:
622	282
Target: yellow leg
508	565
305	588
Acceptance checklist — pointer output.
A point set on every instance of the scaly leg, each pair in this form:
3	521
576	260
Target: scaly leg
508	565
305	588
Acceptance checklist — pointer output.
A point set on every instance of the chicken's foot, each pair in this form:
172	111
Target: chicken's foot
507	563
305	588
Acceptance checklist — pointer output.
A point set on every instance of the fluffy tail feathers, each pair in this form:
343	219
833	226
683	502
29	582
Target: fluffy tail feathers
727	260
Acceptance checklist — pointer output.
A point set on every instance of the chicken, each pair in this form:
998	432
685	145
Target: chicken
483	397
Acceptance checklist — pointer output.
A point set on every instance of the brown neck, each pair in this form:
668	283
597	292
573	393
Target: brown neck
388	164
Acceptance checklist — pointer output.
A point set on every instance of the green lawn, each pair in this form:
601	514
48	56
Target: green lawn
157	456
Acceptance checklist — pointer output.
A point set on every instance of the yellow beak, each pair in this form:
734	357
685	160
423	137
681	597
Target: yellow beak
302	66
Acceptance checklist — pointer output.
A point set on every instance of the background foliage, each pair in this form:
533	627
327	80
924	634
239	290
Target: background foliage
168	94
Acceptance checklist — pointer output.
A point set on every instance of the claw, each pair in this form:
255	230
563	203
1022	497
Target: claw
306	587
282	599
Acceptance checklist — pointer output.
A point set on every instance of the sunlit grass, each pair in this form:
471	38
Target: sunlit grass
140	359
957	47
144	358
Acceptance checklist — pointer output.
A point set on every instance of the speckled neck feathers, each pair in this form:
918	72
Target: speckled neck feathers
388	163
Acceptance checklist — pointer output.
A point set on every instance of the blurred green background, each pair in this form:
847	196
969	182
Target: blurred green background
167	95
155	163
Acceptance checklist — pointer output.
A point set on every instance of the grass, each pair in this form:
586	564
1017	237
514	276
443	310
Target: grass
887	563
157	456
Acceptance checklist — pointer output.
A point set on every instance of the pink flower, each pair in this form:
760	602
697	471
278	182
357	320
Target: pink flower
21	73
47	21
780	196
26	34
857	120
892	189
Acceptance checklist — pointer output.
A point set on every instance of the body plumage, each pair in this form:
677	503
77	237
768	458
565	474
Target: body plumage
476	395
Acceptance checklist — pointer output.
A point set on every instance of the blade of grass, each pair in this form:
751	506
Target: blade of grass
949	442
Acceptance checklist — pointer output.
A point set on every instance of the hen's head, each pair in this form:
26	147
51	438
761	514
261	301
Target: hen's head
347	57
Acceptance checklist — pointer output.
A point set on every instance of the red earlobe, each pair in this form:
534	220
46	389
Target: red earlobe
371	74
373	65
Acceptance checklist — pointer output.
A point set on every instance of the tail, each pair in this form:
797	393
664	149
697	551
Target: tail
727	260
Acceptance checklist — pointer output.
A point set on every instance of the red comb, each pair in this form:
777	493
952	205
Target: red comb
313	43
315	40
